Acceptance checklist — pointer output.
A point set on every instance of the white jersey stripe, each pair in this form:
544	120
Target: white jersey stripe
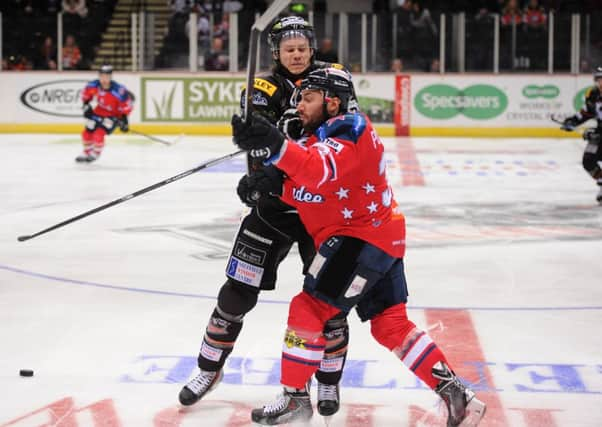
416	351
306	354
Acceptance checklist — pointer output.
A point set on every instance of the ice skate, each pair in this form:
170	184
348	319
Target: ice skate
599	195
292	406
464	409
328	399
199	386
86	158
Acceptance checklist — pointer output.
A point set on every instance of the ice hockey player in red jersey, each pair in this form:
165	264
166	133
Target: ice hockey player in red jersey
113	105
337	181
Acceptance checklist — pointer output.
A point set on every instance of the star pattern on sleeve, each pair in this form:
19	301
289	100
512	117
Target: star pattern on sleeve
347	213
368	188
372	207
343	193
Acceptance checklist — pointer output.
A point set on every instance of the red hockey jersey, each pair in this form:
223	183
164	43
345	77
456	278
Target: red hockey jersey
338	184
114	102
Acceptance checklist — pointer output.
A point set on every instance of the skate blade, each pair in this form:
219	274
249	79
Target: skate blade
475	411
327	419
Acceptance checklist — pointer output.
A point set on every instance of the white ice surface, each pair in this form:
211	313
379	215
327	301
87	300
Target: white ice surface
109	311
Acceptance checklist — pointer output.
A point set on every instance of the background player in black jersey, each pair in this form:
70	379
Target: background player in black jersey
268	231
593	150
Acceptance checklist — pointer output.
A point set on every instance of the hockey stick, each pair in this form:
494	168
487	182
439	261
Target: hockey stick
258	27
154	138
132	195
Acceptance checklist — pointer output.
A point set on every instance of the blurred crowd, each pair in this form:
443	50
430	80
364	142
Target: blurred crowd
523	24
30	33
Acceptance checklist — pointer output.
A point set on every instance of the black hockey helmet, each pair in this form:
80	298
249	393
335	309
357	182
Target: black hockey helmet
105	69
334	82
598	73
287	27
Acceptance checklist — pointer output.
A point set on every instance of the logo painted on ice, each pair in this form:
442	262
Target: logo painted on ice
58	98
480	102
546	91
302	195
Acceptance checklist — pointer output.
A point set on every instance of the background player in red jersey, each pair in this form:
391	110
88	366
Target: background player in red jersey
113	104
338	184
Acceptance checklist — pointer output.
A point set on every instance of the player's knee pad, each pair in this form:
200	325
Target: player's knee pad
309	313
391	327
218	342
87	136
99	136
237	299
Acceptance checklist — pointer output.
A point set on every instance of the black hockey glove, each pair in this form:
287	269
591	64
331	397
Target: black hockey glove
570	123
290	124
88	112
260	183
257	136
123	123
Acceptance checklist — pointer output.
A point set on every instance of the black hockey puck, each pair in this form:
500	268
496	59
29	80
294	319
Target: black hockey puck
26	373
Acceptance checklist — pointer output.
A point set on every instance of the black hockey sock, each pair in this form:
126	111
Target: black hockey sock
336	333
219	339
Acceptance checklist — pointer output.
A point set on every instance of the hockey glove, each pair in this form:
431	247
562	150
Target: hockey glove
123	123
290	124
260	183
570	123
257	136
88	112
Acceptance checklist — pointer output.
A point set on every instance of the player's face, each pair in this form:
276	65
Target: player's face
295	54
310	108
105	80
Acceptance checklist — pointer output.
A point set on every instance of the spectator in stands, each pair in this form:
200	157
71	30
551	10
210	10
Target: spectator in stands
397	66
534	15
326	51
423	36
511	13
75	7
435	66
217	60
71	54
16	63
46	55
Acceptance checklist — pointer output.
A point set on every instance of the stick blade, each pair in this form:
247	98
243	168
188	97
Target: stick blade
23	238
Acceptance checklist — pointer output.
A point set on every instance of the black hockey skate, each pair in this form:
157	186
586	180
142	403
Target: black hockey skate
599	195
85	158
328	399
199	386
463	408
290	407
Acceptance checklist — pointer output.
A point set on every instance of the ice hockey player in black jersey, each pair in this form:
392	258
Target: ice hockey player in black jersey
593	150
269	230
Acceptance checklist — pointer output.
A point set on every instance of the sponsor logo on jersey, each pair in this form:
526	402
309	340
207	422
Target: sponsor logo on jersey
259	99
302	195
57	98
265	86
336	146
249	253
244	272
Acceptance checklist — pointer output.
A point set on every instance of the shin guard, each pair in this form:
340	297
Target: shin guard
336	333
218	341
